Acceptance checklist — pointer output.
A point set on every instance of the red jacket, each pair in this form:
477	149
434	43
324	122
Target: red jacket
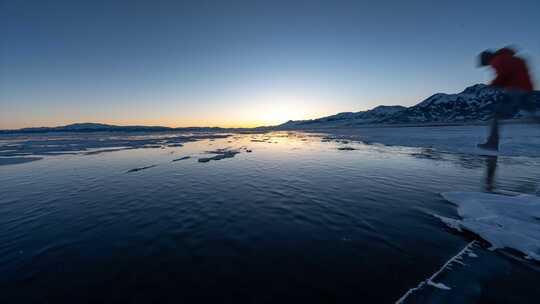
512	72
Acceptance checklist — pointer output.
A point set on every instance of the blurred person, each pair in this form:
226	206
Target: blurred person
512	76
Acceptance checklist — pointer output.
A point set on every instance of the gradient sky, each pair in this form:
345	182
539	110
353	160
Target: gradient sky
243	63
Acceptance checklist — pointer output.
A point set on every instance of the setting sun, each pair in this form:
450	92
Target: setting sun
277	109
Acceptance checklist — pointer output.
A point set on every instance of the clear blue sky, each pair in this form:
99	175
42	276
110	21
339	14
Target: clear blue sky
243	63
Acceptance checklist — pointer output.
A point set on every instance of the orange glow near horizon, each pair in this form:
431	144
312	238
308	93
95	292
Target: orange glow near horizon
249	118
240	112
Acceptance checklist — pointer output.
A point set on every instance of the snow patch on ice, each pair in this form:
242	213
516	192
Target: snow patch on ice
504	221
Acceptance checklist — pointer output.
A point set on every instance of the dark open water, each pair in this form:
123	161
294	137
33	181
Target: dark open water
295	220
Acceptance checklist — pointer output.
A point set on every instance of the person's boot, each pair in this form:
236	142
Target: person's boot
492	142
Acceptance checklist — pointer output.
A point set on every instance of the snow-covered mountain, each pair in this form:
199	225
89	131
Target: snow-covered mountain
89	127
475	103
347	118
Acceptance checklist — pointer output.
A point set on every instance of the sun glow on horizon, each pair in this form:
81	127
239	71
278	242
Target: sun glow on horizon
274	109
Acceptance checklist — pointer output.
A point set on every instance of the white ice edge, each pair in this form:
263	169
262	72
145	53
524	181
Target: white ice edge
504	221
429	281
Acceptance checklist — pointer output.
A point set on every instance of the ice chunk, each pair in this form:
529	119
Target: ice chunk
439	285
472	255
504	221
181	158
450	222
220	154
141	168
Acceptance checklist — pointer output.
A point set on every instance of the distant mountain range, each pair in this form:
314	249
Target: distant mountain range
475	103
98	127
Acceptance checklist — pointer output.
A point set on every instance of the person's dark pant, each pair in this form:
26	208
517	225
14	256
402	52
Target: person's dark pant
506	107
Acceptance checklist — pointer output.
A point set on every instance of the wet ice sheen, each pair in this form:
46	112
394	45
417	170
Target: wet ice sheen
295	219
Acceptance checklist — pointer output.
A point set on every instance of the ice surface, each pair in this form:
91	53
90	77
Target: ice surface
516	139
16	160
16	148
504	221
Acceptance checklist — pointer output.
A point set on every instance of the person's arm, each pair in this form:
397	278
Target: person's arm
503	73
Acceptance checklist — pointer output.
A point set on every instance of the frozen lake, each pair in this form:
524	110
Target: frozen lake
255	217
